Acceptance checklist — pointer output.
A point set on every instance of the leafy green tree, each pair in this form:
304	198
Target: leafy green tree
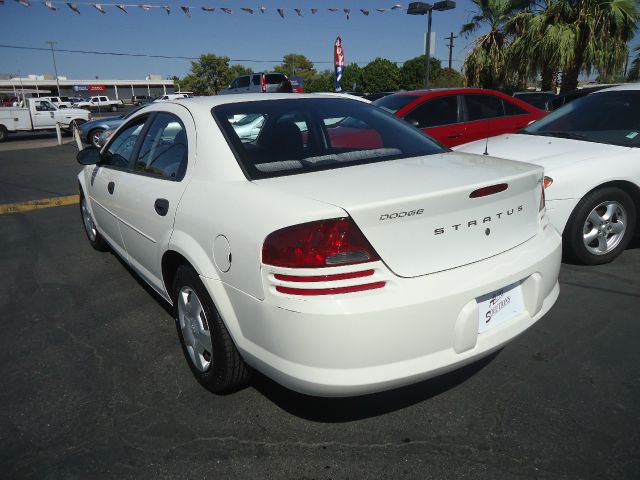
486	63
448	77
296	65
380	75
210	73
352	78
413	72
321	82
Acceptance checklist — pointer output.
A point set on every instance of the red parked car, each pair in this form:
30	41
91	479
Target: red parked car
460	115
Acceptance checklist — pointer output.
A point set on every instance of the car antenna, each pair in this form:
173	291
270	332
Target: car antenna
486	143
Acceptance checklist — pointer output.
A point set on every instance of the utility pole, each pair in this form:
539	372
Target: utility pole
450	38
55	69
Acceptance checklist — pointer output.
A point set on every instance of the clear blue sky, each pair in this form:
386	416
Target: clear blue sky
240	36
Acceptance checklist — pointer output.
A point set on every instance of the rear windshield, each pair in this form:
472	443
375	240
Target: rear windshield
273	138
393	103
274	78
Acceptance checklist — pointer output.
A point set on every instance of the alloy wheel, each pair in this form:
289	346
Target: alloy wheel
604	227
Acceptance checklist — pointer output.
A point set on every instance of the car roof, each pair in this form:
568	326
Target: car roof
427	91
624	86
206	103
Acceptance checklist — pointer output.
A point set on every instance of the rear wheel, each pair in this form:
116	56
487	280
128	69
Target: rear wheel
114	108
95	239
600	227
209	349
3	133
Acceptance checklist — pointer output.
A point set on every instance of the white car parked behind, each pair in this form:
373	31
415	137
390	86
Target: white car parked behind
338	261
590	151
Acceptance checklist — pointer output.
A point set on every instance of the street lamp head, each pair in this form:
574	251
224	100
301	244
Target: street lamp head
444	5
419	8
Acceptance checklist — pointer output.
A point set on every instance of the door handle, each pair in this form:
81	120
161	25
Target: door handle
110	187
162	206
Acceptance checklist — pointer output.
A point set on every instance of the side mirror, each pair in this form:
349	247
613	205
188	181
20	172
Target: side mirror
412	121
88	156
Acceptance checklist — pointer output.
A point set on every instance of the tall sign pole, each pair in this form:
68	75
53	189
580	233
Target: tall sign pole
55	68
338	58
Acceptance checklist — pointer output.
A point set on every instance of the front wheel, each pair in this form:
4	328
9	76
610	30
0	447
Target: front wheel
95	239
206	343
114	108
600	227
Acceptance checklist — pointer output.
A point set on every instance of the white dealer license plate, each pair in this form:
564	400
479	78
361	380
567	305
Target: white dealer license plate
499	306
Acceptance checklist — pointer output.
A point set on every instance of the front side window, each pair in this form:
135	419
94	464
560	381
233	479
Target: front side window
243	82
611	117
435	112
305	135
44	107
480	107
121	148
256	79
164	150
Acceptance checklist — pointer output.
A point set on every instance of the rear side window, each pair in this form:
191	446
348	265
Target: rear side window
256	79
512	109
435	112
286	137
274	78
481	106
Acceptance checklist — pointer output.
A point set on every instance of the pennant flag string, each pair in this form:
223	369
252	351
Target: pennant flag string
186	9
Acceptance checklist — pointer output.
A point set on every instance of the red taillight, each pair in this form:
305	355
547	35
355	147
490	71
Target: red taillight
547	182
490	190
324	243
323	278
264	83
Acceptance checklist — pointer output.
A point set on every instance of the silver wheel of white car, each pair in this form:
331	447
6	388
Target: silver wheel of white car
95	239
195	328
605	227
600	227
206	343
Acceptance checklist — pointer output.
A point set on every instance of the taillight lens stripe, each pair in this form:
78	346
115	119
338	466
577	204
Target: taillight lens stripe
329	291
490	190
323	278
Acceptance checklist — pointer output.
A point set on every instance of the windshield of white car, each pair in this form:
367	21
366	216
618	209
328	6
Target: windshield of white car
611	117
302	135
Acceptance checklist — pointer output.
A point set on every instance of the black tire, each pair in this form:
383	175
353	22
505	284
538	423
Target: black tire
92	136
3	133
96	240
226	371
613	244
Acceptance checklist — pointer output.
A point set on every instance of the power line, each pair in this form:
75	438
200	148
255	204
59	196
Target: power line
173	57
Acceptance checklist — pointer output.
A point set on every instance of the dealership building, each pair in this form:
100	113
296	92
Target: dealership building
152	86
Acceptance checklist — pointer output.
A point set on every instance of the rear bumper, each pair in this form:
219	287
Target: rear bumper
408	331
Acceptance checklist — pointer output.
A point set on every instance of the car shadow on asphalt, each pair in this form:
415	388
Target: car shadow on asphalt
347	409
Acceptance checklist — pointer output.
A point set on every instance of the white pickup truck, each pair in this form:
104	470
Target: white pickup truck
38	114
60	102
100	102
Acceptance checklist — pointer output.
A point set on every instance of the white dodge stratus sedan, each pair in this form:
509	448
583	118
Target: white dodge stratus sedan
339	251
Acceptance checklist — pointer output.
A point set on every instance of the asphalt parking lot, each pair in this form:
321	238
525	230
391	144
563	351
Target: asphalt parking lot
93	383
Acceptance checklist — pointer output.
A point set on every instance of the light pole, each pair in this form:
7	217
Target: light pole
422	8
55	69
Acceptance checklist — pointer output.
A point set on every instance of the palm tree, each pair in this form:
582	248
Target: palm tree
634	72
486	62
572	36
